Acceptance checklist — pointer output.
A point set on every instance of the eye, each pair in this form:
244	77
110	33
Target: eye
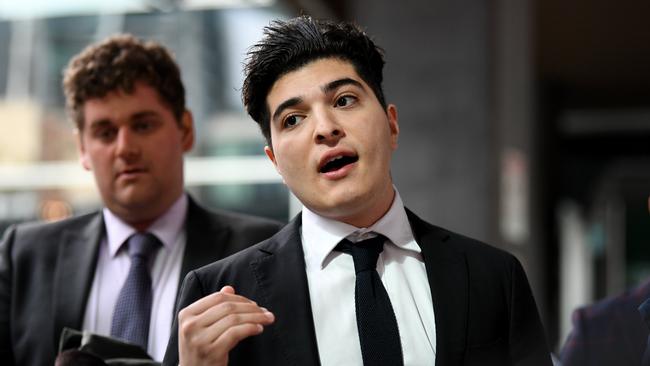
105	134
142	126
292	120
345	100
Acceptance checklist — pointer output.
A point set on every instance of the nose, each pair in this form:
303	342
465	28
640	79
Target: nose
126	144
328	129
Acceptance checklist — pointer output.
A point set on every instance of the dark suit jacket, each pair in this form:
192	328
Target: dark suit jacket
609	332
485	312
47	269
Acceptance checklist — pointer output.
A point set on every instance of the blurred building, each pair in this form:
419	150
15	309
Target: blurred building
40	175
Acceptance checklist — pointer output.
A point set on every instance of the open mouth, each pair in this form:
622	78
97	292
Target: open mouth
337	163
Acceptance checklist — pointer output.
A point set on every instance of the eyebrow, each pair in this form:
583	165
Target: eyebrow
284	105
135	116
333	85
143	114
327	88
98	123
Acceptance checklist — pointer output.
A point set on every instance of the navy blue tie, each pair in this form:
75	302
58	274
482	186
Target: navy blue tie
133	308
378	331
644	309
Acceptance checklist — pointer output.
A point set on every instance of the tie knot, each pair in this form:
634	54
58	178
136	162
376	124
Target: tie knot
364	253
142	245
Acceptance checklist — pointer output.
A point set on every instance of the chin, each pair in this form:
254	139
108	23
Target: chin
137	199
340	210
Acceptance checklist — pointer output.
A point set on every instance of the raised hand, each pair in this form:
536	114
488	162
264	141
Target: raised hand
210	327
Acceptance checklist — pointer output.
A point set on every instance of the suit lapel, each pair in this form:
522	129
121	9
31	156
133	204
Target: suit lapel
202	237
449	282
280	275
281	278
75	271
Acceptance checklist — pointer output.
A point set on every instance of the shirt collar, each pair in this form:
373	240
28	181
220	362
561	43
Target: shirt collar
321	235
166	228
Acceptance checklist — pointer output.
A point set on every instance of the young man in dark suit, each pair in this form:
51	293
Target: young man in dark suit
356	278
128	102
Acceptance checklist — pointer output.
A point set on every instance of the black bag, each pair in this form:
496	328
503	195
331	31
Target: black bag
89	349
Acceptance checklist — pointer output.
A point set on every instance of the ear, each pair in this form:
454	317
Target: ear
391	112
84	159
269	152
187	128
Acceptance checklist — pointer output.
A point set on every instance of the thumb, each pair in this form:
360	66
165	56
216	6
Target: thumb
227	290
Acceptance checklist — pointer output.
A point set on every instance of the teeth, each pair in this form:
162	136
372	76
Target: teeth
334	159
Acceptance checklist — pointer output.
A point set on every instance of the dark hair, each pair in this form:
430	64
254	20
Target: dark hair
289	45
117	63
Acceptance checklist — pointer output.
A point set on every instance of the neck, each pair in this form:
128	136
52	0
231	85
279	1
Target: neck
140	218
141	226
374	213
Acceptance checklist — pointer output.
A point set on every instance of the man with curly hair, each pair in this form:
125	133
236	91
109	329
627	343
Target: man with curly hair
117	272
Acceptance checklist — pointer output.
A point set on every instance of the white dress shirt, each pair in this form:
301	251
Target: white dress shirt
113	267
331	279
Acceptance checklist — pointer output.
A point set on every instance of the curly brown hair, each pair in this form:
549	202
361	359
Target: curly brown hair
118	63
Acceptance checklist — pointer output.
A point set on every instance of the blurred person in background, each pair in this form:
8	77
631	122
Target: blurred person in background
613	331
116	272
356	278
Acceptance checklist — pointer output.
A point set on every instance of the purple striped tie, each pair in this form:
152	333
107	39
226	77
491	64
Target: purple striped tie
133	308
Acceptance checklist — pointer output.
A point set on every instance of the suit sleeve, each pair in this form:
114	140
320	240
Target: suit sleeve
574	352
191	291
528	344
6	353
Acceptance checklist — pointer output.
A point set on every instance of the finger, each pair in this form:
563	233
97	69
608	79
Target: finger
200	337
218	349
218	312
236	334
231	320
211	300
222	328
228	290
